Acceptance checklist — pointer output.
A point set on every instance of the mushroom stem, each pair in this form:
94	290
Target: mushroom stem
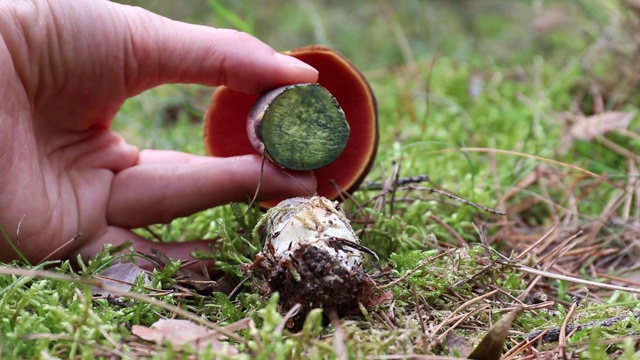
299	127
312	257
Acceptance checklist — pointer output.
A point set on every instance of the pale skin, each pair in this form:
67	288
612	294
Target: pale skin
66	67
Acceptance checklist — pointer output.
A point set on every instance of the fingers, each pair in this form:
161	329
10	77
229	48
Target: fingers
85	58
157	192
170	51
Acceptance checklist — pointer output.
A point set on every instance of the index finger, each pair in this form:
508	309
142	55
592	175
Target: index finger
168	51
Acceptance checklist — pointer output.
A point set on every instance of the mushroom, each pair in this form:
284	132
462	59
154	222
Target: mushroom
225	136
312	257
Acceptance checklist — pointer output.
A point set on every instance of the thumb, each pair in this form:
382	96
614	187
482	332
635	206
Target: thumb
167	51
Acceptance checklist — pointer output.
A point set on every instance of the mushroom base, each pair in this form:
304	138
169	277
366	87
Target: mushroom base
314	278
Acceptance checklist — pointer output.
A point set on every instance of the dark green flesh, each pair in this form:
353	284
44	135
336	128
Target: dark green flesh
304	128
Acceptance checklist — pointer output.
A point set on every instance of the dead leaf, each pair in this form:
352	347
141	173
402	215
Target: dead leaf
182	332
491	346
201	283
458	345
588	128
119	277
377	299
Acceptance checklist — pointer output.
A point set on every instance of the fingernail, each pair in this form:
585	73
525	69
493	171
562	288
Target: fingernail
289	60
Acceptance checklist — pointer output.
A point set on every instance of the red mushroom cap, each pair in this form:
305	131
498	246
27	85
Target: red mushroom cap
225	131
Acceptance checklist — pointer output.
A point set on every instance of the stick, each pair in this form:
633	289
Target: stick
399	182
459	199
553	334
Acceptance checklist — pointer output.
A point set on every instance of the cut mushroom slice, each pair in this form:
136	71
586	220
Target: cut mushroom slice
299	127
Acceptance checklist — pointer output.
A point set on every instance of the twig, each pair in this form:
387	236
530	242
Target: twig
236	289
339	337
383	318
255	194
398	182
450	229
423	327
461	307
68	242
553	334
289	315
459	199
550	259
562	338
153	233
511	354
394	186
462	318
527	250
569	278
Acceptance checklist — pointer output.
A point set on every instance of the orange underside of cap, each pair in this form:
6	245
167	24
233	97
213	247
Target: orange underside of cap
225	131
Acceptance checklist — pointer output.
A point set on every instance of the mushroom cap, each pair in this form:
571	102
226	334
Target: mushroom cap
225	133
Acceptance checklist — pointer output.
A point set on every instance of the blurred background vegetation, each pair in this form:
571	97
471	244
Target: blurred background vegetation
444	54
378	34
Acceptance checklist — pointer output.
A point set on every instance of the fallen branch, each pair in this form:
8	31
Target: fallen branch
553	334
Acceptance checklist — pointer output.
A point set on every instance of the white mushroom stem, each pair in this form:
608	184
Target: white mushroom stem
312	257
318	222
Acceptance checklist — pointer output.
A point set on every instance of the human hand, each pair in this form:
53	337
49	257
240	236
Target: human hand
67	67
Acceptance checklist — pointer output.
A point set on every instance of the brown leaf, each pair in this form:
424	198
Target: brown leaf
491	346
587	128
182	332
119	277
458	345
377	299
